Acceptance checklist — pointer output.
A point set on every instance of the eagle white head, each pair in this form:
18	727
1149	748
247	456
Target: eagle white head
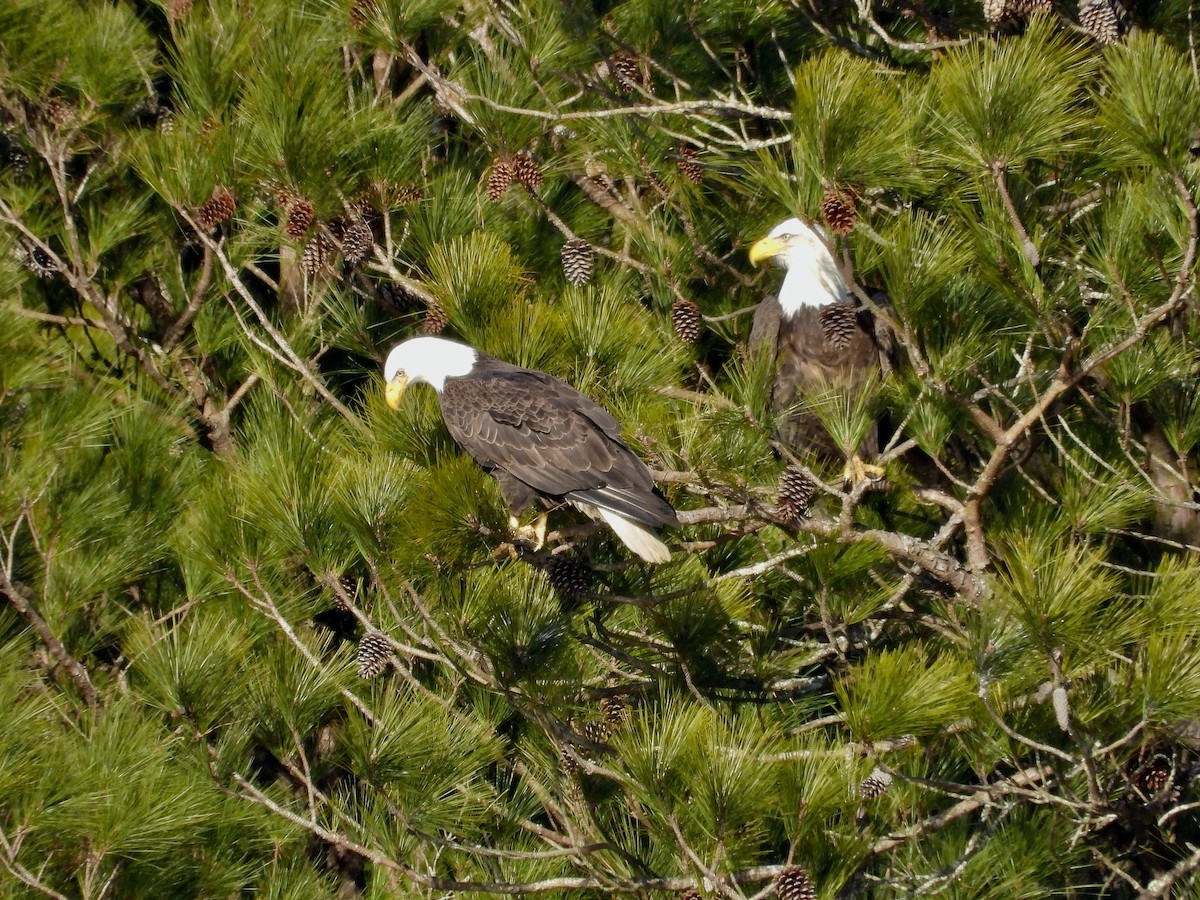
430	360
812	278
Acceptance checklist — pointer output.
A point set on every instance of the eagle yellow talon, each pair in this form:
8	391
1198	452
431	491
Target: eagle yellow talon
857	471
534	534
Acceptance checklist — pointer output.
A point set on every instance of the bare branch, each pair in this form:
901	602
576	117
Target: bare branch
21	599
21	873
1027	245
1161	886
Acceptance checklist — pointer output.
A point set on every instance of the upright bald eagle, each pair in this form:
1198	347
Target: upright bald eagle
543	440
817	336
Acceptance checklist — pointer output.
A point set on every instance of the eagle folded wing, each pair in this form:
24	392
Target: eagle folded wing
543	433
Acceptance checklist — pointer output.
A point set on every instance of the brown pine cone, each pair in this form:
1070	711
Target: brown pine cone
688	162
527	172
569	576
577	261
436	319
216	209
361	12
794	883
628	72
300	216
875	785
838	322
685	319
374	653
500	179
795	493
837	209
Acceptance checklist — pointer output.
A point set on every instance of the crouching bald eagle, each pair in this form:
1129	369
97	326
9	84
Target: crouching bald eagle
543	440
818	338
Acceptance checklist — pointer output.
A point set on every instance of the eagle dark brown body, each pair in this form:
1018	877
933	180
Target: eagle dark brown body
546	442
542	440
806	360
816	335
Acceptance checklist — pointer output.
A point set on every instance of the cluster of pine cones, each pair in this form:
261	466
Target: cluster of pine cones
1105	20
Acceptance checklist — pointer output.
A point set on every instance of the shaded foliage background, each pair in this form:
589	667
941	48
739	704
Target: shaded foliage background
256	634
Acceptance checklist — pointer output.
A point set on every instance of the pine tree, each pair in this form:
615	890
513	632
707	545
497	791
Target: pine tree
212	523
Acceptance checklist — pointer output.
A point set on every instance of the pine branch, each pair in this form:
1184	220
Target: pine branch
180	325
115	323
56	320
602	198
1030	777
22	874
612	884
623	258
262	601
450	89
1027	246
1066	379
282	350
867	12
22	600
1161	886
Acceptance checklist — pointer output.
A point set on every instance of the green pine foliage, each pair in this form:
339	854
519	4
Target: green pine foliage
215	220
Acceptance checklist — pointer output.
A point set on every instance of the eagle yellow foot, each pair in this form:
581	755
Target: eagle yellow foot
857	471
533	535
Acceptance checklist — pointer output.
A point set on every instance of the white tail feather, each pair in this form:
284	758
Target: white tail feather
636	537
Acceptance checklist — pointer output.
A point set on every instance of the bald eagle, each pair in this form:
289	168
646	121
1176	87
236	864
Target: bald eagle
541	439
818	337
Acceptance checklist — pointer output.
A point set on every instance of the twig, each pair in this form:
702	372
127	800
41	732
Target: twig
21	873
1027	246
289	355
57	320
175	332
22	600
1161	886
1032	776
267	605
432	882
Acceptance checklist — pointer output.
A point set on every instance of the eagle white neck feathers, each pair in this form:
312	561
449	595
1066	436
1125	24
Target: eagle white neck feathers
812	277
430	360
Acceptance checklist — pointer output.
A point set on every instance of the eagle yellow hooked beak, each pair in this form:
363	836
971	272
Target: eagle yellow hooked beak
766	248
394	391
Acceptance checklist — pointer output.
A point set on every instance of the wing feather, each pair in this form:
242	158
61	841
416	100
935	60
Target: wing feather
544	434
